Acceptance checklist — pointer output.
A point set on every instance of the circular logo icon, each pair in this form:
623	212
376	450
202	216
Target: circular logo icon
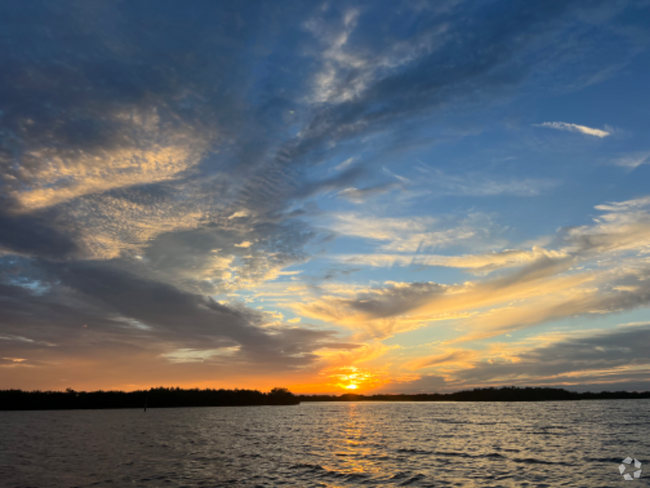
627	465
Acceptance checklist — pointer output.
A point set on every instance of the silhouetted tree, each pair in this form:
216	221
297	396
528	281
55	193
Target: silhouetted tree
281	396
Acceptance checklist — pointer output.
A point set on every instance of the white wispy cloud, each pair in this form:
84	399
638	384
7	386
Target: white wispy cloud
345	164
403	234
480	184
633	161
583	129
478	263
626	206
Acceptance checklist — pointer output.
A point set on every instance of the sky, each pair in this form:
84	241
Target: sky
368	196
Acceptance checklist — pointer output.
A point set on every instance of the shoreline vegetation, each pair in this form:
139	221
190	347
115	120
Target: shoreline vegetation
153	398
176	397
503	394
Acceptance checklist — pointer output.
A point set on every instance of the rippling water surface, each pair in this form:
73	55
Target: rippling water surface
330	444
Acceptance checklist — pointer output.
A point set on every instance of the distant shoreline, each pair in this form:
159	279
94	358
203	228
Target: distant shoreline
504	394
178	398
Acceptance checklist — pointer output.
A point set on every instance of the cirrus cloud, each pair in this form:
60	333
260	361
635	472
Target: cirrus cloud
582	129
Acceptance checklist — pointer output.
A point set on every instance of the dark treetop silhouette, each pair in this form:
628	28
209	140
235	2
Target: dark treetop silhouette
176	397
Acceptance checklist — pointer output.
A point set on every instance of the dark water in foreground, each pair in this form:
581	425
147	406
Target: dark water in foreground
577	444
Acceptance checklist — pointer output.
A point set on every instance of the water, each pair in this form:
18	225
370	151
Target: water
577	444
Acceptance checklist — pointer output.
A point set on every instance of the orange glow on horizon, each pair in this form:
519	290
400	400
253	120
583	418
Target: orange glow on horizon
353	378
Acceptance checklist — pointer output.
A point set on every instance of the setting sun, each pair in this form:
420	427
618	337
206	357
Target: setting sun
354	378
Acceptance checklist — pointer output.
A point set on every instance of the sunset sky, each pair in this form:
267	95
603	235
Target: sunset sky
370	196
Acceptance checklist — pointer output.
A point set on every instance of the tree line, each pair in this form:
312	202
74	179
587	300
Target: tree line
153	398
176	397
503	394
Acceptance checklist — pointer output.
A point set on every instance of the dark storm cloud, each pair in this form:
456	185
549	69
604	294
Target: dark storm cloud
35	234
119	310
184	318
157	304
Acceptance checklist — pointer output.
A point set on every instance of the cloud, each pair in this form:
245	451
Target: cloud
457	357
575	128
345	164
39	233
625	206
406	234
477	263
424	384
361	195
212	259
606	357
151	153
93	307
397	307
584	360
480	185
633	161
579	277
360	87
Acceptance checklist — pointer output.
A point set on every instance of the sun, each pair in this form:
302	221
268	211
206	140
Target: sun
351	378
354	379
